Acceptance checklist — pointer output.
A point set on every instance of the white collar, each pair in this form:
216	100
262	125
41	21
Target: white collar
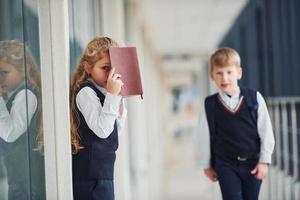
224	95
101	89
12	92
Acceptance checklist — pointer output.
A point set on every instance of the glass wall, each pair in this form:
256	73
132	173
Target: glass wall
21	133
83	27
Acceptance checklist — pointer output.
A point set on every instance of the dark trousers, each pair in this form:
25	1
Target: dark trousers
18	190
236	181
93	190
23	190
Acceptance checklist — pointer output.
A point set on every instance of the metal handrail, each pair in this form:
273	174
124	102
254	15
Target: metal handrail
285	115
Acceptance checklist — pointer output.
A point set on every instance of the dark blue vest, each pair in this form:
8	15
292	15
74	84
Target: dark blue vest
96	160
25	165
233	134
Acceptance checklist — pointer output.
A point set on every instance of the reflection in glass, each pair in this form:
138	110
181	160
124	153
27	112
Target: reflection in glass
21	139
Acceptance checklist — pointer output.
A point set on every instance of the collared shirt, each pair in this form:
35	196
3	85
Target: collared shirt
100	119
264	128
15	123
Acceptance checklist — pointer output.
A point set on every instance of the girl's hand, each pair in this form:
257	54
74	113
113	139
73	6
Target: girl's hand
114	82
211	174
260	171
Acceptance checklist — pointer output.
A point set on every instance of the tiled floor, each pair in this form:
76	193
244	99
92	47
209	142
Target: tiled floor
185	180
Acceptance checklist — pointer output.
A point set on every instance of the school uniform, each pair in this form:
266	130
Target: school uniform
237	142
24	166
93	166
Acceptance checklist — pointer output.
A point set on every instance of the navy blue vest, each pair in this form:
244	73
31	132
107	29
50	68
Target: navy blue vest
24	165
96	160
233	134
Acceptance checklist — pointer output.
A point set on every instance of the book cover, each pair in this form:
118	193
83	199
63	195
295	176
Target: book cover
125	61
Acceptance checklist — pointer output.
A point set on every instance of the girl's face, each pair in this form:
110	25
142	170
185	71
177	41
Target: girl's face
226	78
99	72
10	77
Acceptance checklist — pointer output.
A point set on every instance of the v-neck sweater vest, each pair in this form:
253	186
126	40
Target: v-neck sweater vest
236	133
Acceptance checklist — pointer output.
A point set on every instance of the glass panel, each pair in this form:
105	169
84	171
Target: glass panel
85	21
21	134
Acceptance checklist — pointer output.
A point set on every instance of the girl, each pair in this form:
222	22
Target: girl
97	113
20	122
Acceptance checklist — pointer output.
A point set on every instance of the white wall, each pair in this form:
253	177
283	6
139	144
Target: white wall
54	45
145	120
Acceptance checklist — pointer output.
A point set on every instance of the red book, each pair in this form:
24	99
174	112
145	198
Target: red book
125	61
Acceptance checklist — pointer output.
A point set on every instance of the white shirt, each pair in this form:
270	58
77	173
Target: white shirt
264	128
15	123
100	119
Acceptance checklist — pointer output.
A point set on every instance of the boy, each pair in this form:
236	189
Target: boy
238	130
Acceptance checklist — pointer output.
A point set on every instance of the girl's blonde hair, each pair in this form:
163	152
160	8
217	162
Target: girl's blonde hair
224	57
18	55
93	52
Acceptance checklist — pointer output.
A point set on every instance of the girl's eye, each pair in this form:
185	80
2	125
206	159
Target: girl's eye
3	73
106	68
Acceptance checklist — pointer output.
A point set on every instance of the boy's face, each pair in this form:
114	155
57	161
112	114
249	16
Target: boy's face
10	77
226	78
99	72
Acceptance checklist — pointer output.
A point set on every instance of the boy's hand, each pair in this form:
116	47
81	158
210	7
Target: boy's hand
114	82
211	174
260	171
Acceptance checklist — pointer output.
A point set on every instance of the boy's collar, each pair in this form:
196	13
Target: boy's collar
224	94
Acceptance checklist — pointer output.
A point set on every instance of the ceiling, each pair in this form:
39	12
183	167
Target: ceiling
189	28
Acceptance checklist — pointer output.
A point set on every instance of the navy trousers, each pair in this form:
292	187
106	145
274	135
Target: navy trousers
235	180
93	190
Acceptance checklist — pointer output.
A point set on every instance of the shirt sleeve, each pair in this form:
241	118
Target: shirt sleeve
122	116
204	142
265	131
100	119
15	123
